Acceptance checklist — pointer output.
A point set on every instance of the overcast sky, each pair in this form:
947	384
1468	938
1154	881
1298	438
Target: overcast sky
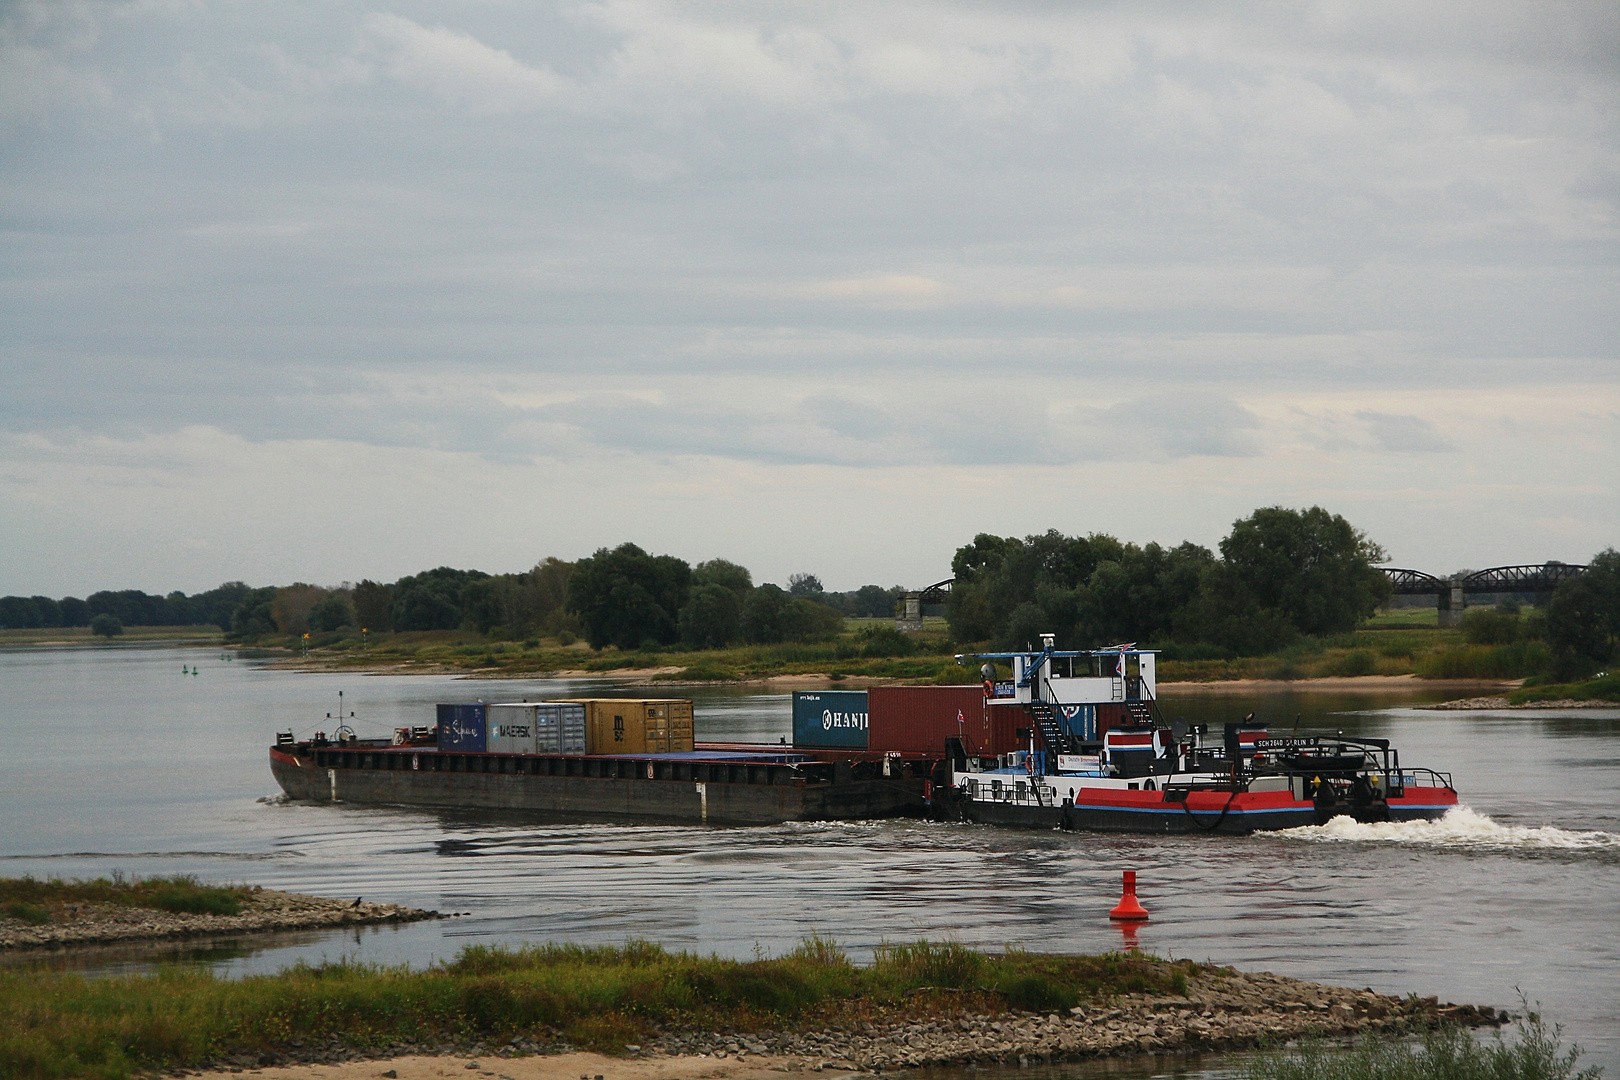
338	290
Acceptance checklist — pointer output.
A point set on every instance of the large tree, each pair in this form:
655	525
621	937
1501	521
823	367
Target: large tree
1583	617
712	618
1311	567
626	597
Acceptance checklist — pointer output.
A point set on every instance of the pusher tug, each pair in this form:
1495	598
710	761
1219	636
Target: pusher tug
1101	756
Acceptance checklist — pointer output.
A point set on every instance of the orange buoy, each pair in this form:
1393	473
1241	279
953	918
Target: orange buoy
1128	908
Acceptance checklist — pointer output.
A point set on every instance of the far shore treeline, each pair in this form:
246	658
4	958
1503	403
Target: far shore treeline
1281	576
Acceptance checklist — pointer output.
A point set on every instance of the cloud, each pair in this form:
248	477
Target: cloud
1403	434
458	68
764	255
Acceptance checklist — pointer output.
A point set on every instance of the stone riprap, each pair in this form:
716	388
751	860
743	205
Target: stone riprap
263	910
1220	1011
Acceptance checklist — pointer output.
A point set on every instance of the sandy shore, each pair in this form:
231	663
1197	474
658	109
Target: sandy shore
263	910
1221	1010
1338	682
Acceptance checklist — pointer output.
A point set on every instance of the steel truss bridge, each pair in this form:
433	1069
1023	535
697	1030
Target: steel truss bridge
1453	592
1524	578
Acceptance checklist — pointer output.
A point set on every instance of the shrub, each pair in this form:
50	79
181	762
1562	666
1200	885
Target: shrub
1483	626
32	914
1515	661
107	626
1357	662
884	641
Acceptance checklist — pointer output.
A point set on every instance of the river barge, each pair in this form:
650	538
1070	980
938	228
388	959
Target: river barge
1100	755
537	757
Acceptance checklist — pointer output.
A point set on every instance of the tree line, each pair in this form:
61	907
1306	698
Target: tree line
1280	575
623	597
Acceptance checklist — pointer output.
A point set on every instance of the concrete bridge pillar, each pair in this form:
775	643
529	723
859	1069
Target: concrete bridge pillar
912	619
1453	601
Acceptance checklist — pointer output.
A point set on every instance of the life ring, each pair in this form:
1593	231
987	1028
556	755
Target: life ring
1029	764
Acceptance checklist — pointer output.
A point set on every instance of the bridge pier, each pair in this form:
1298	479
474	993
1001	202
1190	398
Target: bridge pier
1453	602
912	619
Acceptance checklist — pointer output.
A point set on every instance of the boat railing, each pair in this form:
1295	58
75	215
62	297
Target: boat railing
1416	777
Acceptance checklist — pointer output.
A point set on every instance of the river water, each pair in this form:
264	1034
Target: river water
116	761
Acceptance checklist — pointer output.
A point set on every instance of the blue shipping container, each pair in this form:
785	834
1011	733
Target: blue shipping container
830	719
461	727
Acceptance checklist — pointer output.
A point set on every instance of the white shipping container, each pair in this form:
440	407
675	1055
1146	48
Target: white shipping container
560	728
511	728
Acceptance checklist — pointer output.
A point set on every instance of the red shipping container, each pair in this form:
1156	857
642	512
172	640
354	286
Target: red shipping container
916	720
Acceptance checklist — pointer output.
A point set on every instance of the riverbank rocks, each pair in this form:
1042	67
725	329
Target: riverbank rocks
1562	704
1224	1011
263	910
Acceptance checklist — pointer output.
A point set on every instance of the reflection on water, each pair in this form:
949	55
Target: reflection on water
116	761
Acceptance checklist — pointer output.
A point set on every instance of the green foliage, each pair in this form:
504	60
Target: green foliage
1309	566
1354	663
883	641
1605	687
33	914
63	1024
433	599
107	626
625	597
1449	1053
1515	661
770	615
1086	590
177	894
1583	618
712	618
332	613
1484	626
724	573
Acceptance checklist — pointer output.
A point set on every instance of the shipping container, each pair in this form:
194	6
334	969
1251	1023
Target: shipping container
830	719
461	727
916	720
637	725
510	729
559	728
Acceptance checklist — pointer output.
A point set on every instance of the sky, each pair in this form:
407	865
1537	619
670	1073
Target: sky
330	291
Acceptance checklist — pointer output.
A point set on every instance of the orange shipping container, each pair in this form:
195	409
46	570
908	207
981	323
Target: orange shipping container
637	725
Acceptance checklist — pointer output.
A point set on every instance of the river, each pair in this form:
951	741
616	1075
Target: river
116	761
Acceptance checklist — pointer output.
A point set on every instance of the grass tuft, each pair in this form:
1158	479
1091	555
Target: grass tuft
1445	1054
181	894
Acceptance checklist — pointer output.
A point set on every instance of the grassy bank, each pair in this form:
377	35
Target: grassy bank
1402	642
1605	687
131	635
61	1024
37	902
1536	1053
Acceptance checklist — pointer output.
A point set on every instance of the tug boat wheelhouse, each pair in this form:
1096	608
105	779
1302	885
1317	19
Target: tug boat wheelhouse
1100	755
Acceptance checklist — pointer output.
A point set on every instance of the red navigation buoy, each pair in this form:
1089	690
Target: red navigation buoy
1128	908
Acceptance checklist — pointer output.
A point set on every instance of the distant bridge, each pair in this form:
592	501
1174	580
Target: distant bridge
1454	591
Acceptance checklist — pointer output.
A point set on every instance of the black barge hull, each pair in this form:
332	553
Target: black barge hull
589	787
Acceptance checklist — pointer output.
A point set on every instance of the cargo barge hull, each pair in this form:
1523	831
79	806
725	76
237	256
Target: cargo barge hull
652	787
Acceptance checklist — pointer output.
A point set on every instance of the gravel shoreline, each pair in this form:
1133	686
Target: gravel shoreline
1221	1011
1503	703
263	910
